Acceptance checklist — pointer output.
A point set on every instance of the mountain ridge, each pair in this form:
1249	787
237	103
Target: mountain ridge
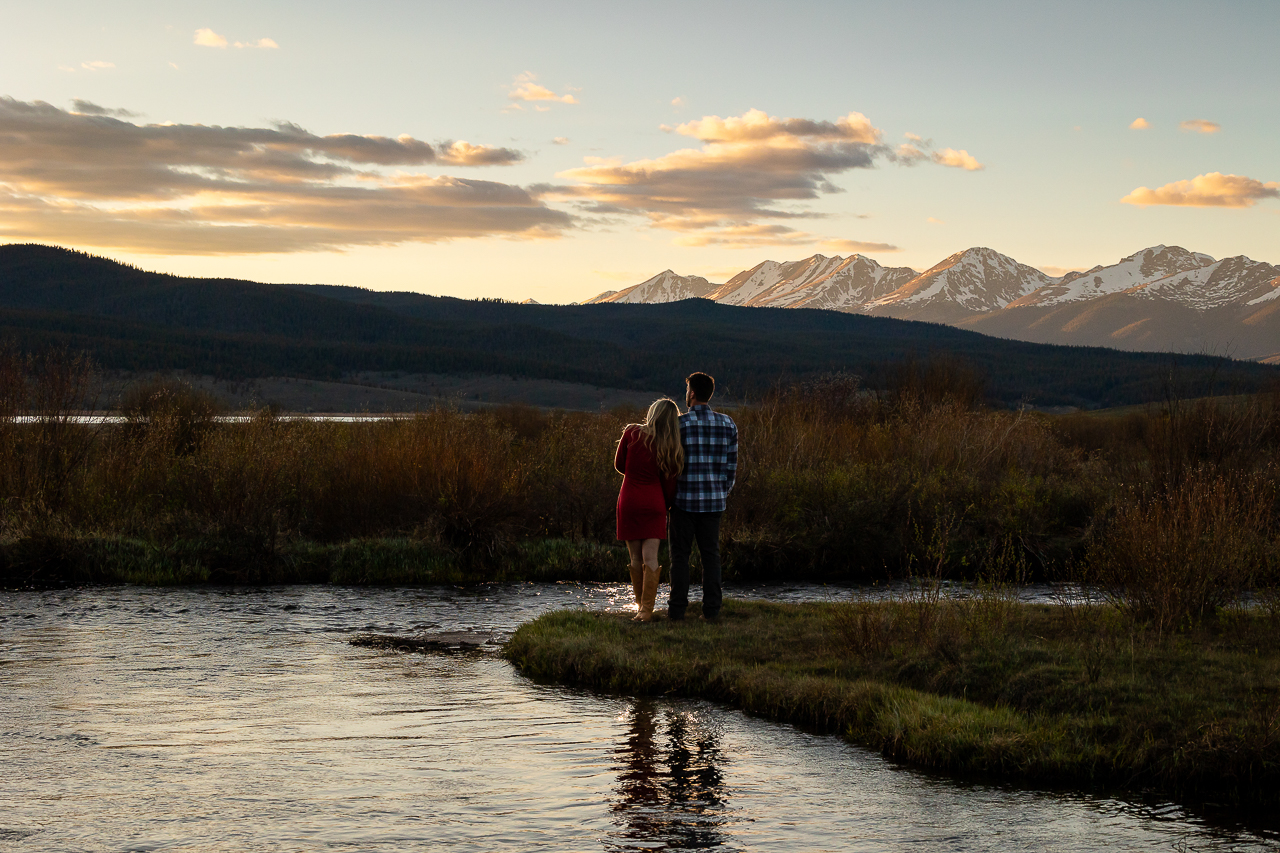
131	320
1226	301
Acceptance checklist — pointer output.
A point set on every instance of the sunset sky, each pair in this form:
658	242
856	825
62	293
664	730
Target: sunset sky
556	150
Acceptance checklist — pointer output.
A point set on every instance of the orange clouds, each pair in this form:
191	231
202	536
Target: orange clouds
92	178
1211	190
857	246
751	236
750	172
525	88
1200	125
206	37
1139	124
758	126
747	166
463	153
957	160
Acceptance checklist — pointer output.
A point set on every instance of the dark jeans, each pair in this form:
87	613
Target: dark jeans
684	528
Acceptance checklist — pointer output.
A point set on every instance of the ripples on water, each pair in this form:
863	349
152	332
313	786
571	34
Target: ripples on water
214	719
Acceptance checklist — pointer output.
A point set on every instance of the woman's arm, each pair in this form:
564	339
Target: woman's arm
620	457
669	491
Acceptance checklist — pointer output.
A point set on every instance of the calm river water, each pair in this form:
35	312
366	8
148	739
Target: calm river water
217	719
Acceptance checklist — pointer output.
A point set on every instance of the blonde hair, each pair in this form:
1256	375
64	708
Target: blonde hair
661	434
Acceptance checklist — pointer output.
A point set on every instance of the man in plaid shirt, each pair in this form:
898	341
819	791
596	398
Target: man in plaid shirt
710	441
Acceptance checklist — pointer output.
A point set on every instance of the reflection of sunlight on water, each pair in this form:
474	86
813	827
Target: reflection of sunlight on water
222	719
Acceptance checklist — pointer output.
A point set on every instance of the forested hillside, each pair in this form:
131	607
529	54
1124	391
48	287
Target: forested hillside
129	319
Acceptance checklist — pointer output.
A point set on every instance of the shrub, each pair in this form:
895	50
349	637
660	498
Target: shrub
1177	555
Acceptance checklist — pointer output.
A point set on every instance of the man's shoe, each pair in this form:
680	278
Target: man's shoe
714	618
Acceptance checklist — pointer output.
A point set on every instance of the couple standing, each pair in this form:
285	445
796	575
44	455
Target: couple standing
686	464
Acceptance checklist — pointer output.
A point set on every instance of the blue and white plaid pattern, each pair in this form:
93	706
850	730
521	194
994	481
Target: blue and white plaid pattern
710	442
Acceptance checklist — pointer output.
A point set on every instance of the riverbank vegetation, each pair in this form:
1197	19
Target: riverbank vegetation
1177	501
1074	695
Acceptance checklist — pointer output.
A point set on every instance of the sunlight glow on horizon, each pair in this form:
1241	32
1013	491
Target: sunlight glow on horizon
533	153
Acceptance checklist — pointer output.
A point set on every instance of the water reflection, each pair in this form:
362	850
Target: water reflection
228	720
670	782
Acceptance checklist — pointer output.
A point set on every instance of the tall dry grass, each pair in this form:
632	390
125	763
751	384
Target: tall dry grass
835	482
836	479
1176	555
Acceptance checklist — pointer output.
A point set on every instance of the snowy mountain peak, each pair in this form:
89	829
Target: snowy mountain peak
816	282
1230	281
1137	270
666	286
974	280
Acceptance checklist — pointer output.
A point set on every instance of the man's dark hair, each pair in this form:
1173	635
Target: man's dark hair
702	386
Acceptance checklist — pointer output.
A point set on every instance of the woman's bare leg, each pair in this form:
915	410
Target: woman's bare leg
649	552
635	549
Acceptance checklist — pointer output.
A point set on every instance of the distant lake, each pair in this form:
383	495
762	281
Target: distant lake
226	419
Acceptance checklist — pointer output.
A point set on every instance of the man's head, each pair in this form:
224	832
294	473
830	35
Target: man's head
699	388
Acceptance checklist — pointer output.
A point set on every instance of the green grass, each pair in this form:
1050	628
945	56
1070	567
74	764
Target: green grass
1048	695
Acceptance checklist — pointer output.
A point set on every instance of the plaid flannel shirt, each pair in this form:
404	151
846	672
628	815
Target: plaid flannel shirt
710	442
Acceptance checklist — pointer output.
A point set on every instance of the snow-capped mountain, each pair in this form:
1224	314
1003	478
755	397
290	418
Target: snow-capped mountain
1161	298
971	282
666	286
817	282
1137	270
1230	281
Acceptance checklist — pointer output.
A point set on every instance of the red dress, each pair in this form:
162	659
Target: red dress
645	493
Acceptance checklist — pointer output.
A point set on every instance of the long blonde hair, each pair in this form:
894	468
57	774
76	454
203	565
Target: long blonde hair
661	434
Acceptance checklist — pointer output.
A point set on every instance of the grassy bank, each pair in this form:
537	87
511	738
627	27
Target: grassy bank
1040	694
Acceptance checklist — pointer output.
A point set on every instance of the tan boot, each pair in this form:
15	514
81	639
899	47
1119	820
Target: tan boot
637	587
652	574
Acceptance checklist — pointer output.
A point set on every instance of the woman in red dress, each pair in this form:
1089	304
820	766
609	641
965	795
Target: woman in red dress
649	458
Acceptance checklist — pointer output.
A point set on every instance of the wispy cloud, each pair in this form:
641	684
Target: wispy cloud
759	126
1212	190
747	236
1059	272
1199	125
917	149
526	88
858	246
206	37
1139	124
560	140
677	102
88	178
89	108
750	172
463	153
934	221
752	236
97	65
